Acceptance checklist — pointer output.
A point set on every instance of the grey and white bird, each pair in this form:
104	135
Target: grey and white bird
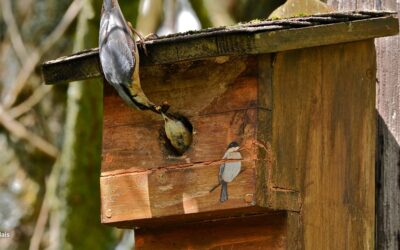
179	132
119	57
229	170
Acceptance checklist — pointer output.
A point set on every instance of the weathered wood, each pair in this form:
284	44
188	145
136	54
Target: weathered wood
141	180
252	232
305	120
323	132
172	192
226	100
210	93
388	106
388	150
258	38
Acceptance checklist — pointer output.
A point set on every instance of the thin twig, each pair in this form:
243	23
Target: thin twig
40	226
47	206
34	58
13	31
32	101
19	131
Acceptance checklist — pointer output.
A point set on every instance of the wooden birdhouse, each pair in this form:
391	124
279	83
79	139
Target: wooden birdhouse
296	95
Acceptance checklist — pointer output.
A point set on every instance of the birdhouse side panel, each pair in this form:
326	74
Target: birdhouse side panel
323	130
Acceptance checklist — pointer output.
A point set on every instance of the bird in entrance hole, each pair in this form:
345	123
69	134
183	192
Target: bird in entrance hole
119	57
179	132
229	170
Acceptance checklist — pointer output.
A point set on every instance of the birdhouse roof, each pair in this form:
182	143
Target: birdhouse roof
255	37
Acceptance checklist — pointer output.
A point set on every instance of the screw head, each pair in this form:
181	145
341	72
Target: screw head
109	213
248	198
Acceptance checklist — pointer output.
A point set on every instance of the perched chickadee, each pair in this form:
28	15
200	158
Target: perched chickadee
119	57
178	131
229	170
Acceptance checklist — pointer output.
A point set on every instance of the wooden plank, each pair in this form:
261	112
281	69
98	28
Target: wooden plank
388	106
232	41
210	93
226	99
324	133
131	148
141	180
172	192
253	232
193	88
388	149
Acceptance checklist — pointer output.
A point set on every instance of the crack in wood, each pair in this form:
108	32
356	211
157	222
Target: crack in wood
134	170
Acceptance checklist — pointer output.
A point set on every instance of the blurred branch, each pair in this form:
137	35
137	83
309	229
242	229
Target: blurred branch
202	13
40	226
35	56
170	15
48	204
32	101
219	13
15	35
19	131
149	16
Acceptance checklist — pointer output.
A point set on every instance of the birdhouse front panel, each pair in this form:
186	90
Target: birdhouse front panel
223	100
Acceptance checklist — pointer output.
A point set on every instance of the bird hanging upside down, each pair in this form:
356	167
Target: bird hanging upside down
119	57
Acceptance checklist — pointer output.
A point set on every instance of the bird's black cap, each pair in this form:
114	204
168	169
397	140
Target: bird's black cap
233	144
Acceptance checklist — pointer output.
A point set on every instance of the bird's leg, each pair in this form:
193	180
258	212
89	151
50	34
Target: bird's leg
150	36
163	108
219	184
142	39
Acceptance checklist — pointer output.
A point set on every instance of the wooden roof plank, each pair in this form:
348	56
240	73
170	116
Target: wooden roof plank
252	38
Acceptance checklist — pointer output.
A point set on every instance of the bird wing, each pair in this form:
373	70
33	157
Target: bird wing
231	170
221	171
117	61
119	58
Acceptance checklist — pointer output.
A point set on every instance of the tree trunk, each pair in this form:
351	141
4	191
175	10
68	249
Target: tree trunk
81	154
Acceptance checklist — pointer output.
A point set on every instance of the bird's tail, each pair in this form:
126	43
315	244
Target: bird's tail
224	192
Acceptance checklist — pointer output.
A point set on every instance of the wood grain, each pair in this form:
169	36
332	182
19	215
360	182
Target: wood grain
226	99
388	106
252	232
324	133
192	88
239	40
140	178
210	93
171	192
139	148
